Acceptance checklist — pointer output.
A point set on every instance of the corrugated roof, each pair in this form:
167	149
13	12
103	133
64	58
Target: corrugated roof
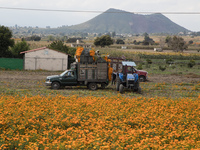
33	50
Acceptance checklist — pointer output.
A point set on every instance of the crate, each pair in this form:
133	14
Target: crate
94	72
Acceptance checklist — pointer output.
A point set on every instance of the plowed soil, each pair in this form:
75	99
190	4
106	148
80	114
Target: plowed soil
31	79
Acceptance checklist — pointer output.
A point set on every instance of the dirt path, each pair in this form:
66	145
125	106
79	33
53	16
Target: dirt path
190	78
31	79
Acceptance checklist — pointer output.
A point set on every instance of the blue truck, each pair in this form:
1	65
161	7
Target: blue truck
128	78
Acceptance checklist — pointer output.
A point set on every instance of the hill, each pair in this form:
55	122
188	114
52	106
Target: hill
119	21
112	20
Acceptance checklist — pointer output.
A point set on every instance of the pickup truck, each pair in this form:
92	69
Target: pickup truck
143	75
90	75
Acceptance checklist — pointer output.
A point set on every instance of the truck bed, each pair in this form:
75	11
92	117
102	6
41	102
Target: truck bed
92	72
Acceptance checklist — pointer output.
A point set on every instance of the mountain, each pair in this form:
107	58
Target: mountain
119	21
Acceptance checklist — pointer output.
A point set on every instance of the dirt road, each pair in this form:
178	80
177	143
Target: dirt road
31	79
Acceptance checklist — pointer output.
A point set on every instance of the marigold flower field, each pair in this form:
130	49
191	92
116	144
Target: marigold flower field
165	116
99	122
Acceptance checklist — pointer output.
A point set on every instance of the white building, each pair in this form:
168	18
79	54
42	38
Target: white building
45	59
78	44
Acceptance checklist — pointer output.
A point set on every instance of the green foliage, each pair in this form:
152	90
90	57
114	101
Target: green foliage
149	61
191	63
71	51
169	61
190	42
162	68
120	41
104	40
19	47
148	40
73	40
32	38
60	46
5	41
51	38
176	43
173	67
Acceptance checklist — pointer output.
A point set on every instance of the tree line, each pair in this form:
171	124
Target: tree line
8	47
175	43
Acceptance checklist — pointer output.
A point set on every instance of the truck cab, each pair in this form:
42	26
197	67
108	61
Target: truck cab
67	78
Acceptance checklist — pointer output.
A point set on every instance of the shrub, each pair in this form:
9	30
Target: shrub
162	68
191	63
173	67
149	61
169	61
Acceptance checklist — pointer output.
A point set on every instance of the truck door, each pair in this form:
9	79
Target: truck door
69	78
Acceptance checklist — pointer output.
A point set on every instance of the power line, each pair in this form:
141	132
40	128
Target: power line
83	11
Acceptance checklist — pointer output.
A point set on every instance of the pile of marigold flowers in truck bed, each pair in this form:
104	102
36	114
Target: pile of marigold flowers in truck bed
115	122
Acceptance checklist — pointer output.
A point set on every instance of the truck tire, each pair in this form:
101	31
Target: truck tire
55	85
142	78
121	88
92	86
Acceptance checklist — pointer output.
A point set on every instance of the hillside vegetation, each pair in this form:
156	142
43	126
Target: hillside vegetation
126	22
113	20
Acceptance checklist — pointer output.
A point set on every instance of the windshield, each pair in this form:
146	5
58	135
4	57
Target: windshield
62	74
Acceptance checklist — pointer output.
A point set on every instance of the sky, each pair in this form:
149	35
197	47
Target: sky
84	10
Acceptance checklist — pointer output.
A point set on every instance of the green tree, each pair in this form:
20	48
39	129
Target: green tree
71	51
35	38
104	40
176	43
60	46
5	41
190	42
167	40
19	47
120	41
148	40
51	38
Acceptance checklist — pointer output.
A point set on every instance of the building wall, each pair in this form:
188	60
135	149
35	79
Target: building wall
81	45
46	59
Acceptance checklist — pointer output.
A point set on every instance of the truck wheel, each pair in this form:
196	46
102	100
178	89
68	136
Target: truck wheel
121	88
55	85
142	78
92	86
